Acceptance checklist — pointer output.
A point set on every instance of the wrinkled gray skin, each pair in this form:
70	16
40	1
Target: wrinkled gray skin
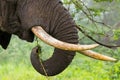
19	16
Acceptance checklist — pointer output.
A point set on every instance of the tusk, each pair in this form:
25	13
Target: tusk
41	34
83	49
96	55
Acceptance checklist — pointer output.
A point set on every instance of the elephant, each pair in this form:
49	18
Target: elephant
50	21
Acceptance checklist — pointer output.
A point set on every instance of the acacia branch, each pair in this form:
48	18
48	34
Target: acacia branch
90	37
87	15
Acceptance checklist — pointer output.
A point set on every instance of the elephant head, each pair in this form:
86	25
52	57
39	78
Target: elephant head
46	19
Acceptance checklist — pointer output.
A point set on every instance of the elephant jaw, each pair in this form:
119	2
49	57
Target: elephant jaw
83	49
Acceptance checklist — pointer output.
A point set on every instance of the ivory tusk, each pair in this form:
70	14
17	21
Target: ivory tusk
41	34
83	49
96	55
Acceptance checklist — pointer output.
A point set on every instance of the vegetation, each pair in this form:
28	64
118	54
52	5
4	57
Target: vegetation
15	61
15	65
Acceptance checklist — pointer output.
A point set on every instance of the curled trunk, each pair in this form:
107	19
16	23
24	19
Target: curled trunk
53	66
60	25
60	58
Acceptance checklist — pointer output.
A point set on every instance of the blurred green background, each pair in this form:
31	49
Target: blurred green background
15	64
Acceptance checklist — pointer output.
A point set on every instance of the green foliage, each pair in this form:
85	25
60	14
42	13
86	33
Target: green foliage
116	34
115	72
67	2
103	0
106	0
15	64
96	11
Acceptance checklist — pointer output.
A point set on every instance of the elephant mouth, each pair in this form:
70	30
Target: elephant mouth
83	49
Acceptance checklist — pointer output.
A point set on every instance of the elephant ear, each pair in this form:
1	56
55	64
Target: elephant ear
4	39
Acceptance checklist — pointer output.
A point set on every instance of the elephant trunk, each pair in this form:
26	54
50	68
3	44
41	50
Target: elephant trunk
62	27
60	58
